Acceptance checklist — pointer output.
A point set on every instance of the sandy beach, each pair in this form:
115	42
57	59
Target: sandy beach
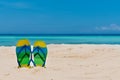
66	62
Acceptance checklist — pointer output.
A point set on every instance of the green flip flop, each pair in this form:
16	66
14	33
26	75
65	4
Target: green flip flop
23	52
39	53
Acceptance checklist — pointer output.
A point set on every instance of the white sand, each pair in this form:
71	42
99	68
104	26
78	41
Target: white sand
66	62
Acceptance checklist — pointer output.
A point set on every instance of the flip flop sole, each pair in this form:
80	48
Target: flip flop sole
23	51
40	53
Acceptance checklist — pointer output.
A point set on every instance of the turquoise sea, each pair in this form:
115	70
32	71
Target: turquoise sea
11	40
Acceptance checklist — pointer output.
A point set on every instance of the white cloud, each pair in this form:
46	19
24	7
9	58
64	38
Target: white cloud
14	4
111	27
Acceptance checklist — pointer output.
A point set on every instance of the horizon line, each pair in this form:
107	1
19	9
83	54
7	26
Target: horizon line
108	34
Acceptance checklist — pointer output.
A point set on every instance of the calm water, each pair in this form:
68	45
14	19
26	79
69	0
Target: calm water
11	40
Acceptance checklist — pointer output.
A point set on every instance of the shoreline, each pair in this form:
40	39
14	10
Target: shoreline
64	44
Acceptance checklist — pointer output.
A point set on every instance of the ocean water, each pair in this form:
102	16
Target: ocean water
11	40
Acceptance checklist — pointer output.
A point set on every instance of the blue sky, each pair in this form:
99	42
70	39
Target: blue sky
59	16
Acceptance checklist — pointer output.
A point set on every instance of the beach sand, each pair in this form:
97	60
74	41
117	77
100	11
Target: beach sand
66	62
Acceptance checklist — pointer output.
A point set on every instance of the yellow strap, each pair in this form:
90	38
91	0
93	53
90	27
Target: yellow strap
23	42
40	43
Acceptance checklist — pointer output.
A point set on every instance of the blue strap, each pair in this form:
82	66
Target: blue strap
38	48
23	48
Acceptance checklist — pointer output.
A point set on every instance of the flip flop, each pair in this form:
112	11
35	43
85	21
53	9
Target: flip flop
40	53
23	52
